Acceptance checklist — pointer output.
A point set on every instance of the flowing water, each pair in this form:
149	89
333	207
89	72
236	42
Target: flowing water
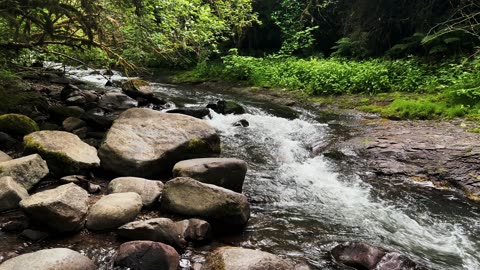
303	205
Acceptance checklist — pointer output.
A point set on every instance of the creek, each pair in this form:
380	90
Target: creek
303	205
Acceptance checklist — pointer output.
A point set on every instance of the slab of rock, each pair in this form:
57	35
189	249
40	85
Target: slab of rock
144	142
11	193
113	101
4	157
189	197
158	229
72	123
137	88
227	107
149	190
62	209
224	172
114	210
27	171
236	258
147	255
64	152
51	259
17	124
396	261
438	151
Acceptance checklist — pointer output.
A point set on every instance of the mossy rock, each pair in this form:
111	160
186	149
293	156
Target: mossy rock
137	88
233	107
64	152
24	102
17	124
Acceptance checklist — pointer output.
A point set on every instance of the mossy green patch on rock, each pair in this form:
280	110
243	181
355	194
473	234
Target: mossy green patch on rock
199	146
16	97
56	160
17	124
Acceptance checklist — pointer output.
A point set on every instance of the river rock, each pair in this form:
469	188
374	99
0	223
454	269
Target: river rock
196	230
147	255
50	259
98	118
11	193
17	124
114	210
197	112
358	254
189	197
224	172
113	101
137	88
144	142
64	152
227	107
60	113
149	190
27	171
62	209
241	123
77	100
158	229
73	123
4	157
69	90
236	258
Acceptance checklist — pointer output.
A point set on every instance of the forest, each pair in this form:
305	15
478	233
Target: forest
239	134
314	47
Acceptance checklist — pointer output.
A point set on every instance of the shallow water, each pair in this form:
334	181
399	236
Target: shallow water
303	205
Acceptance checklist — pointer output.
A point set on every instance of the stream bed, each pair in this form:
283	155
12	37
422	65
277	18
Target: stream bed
303	205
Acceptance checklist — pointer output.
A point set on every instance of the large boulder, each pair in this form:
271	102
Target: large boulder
149	190
27	171
236	258
11	193
50	259
113	101
189	197
62	209
137	88
64	152
17	124
114	210
147	255
144	142
224	172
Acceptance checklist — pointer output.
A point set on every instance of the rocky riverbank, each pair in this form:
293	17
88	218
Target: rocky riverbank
117	164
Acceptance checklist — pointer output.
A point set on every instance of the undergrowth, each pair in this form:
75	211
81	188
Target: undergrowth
447	90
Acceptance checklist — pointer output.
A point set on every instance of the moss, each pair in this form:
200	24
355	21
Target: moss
17	124
22	101
57	161
197	146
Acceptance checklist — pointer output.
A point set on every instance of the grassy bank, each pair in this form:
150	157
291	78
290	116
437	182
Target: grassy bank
398	89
